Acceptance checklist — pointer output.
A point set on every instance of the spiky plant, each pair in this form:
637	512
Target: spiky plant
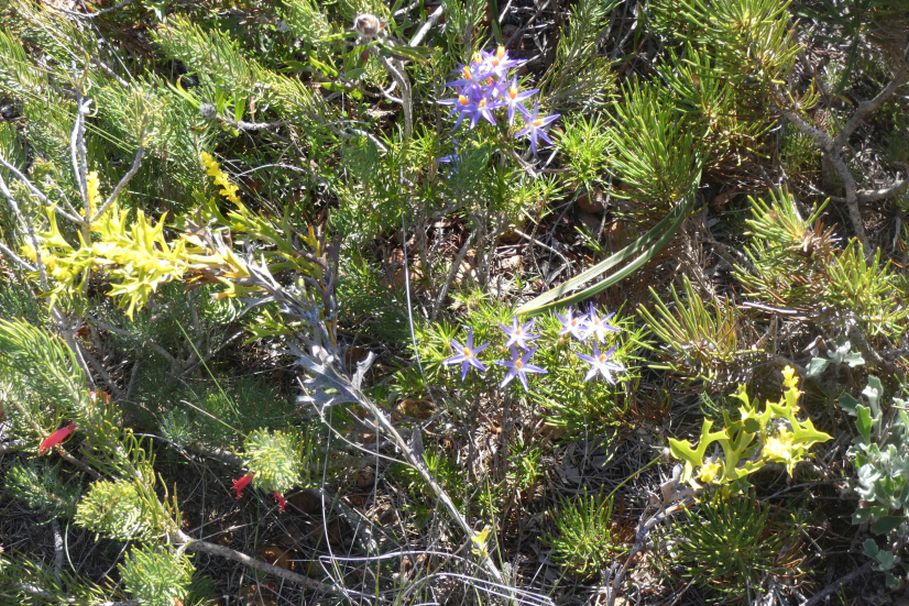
583	540
156	576
732	546
702	339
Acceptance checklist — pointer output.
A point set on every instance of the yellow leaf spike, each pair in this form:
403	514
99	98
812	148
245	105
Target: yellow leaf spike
226	188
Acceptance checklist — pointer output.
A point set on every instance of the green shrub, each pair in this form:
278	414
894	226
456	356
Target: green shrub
43	488
277	459
156	576
583	541
573	403
732	546
121	510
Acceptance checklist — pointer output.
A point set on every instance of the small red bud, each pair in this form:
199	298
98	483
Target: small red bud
95	394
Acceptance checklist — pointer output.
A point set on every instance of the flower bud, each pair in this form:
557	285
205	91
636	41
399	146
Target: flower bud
368	25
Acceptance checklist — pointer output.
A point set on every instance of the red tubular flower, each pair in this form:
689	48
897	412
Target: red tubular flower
55	438
240	485
282	504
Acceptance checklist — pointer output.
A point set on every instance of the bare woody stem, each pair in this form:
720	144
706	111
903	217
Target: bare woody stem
832	146
181	539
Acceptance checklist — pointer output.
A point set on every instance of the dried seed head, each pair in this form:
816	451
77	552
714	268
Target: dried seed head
208	111
368	26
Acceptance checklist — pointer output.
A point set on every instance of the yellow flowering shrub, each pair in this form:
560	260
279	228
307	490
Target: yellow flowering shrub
135	257
748	443
132	252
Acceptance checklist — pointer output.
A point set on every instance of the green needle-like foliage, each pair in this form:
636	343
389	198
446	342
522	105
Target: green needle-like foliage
275	458
728	57
123	510
657	155
781	241
583	540
43	488
187	41
751	40
794	262
40	363
45	376
586	145
156	576
26	582
525	464
306	21
579	75
702	338
732	546
733	127
871	289
48	111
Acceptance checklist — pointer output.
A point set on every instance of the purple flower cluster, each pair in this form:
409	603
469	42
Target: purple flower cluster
591	324
519	337
485	85
583	326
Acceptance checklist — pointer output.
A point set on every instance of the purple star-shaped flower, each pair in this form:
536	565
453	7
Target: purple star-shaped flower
535	127
519	367
513	99
463	107
484	110
498	64
518	334
599	325
466	355
600	364
573	325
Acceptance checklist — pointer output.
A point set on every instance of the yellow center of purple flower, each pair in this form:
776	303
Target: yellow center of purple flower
466	351
538	122
518	364
463	100
467	74
602	357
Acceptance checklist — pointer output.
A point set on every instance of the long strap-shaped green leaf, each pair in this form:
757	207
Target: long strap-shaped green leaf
645	248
